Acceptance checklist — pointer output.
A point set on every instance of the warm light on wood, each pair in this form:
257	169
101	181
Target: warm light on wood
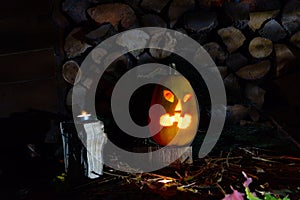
165	181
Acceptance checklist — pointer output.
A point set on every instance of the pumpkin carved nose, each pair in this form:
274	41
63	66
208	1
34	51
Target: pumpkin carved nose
178	107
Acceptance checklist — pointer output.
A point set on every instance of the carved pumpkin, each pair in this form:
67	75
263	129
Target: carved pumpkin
182	115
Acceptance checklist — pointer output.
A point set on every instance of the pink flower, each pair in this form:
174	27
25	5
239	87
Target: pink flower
248	180
236	195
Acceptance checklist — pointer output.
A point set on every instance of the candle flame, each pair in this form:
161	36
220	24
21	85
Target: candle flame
84	114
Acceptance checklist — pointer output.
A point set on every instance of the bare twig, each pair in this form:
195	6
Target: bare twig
189	185
221	189
227	163
227	158
284	158
160	176
178	175
117	175
247	151
263	159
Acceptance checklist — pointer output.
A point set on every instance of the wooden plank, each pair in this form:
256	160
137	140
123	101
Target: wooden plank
40	95
167	154
38	64
25	34
25	25
28	81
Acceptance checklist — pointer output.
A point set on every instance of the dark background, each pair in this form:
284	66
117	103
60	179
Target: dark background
32	91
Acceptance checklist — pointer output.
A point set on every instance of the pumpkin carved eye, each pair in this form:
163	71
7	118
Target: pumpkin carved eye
187	97
169	96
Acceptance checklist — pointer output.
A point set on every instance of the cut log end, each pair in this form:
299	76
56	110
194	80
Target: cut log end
295	39
255	95
70	71
236	61
232	38
260	47
215	51
254	72
273	31
114	14
284	56
236	113
258	18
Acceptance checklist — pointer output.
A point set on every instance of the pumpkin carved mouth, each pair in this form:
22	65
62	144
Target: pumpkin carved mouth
182	121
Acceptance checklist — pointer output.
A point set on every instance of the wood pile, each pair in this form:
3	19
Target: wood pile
252	42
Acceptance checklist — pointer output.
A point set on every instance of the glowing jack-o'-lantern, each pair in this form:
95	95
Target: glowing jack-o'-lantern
181	117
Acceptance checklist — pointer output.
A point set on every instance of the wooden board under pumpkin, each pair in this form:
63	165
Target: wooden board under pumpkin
179	154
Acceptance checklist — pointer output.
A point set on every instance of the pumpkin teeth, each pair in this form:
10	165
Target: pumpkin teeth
166	120
185	121
182	122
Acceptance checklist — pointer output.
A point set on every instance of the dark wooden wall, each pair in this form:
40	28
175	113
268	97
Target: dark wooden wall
28	72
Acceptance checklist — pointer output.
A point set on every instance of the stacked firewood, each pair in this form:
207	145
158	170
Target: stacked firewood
251	41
